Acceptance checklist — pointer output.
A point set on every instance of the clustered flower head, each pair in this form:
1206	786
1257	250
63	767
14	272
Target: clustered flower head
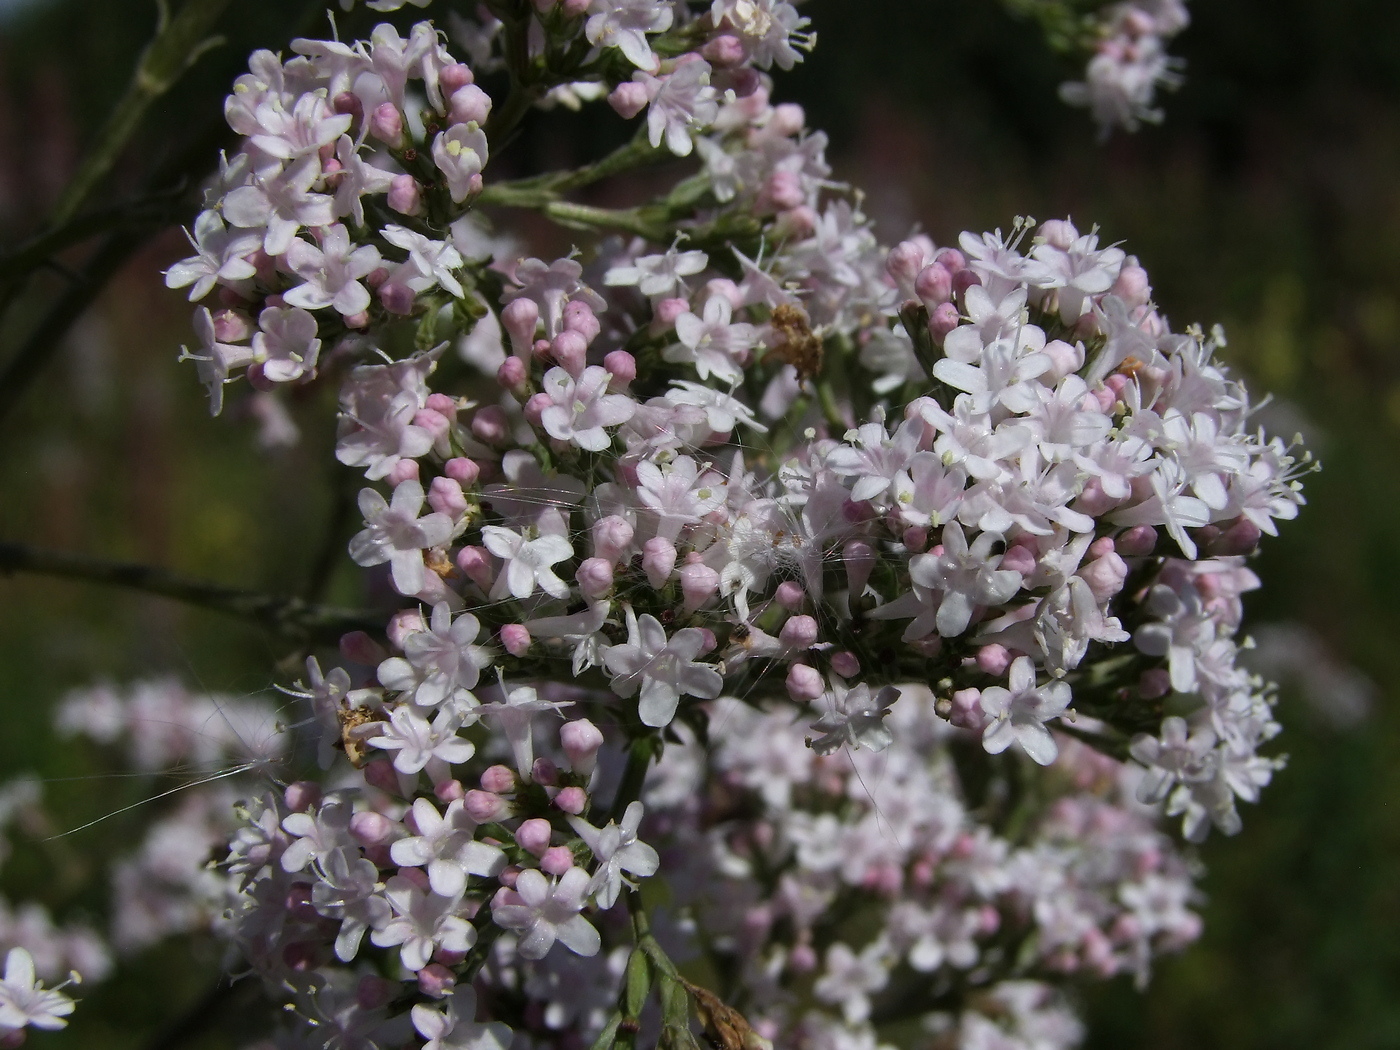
919	568
1129	63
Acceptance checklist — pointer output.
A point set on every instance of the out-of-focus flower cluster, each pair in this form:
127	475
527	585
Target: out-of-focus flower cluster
919	568
1129	63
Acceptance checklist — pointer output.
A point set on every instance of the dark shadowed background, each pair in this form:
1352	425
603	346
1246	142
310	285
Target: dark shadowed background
1267	201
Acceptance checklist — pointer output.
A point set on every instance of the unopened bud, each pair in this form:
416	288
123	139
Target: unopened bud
516	639
386	124
658	559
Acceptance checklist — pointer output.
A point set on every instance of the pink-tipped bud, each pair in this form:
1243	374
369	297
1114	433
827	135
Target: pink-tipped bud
498	779
628	99
301	795
934	285
665	314
905	261
783	190
436	981
966	711
612	537
1101	546
519	318
915	538
475	563
658	559
574	8
512	375
963	280
454	76
544	771
708	641
1132	286
405	195
491	425
595	577
860	560
570	349
558	859
1065	359
799	632
469	105
462	470
359	648
369	828
790	595
483	806
699	583
535	406
803	958
449	791
402	624
435	423
951	259
397	298
533	836
1094	501
380	774
1136	542
1154	683
541	349
579	317
723	51
622	366
386	124
403	470
349	102
1018	559
1059	233
796	222
845	664
581	740
942	320
788	119
804	682
357	321
516	639
572	800
994	659
443	406
1105	576
1240	538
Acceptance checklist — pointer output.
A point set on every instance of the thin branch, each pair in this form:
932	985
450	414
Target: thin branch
281	614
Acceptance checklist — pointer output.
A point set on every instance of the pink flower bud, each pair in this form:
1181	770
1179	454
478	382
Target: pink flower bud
359	648
804	682
462	470
417	876
507	878
628	99
403	470
665	313
541	349
723	51
994	659
544	771
397	298
595	577
1240	538
386	124
572	800
475	562
443	406
435	423
1094	501
707	640
533	835
349	102
658	559
402	624
966	712
579	317
373	992
469	105
557	859
359	320
1059	233
1132	286
570	349
1105	576
905	261
622	366
799	632
573	8
454	76
498	779
512	375
1018	559
258	380
963	280
369	828
802	959
1154	683
1064	358
915	539
301	795
784	190
490	425
581	740
1136	542
519	318
796	222
483	806
380	773
516	638
449	791
612	536
934	285
951	259
535	407
845	664
860	560
790	595
788	119
405	195
436	981
699	583
942	320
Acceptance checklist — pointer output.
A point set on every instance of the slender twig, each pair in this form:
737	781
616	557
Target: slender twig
282	614
200	1016
634	775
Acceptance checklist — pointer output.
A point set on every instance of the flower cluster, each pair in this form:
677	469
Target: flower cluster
919	567
1130	63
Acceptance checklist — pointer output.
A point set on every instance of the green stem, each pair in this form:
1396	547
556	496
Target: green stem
639	757
281	614
156	210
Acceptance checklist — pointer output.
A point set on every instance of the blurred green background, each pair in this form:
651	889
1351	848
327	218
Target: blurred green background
1268	201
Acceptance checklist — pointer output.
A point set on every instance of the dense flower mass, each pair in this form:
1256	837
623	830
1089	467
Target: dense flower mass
881	601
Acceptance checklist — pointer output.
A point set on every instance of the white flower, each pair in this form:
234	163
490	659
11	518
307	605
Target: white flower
679	495
711	343
446	845
661	669
723	412
221	257
439	664
681	103
356	180
348	889
528	558
286	343
282	203
419	743
332	272
429	262
543	912
24	1001
460	154
1019	714
856	718
658	275
394	533
616	849
455	1026
422	923
582	407
624	24
217	360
